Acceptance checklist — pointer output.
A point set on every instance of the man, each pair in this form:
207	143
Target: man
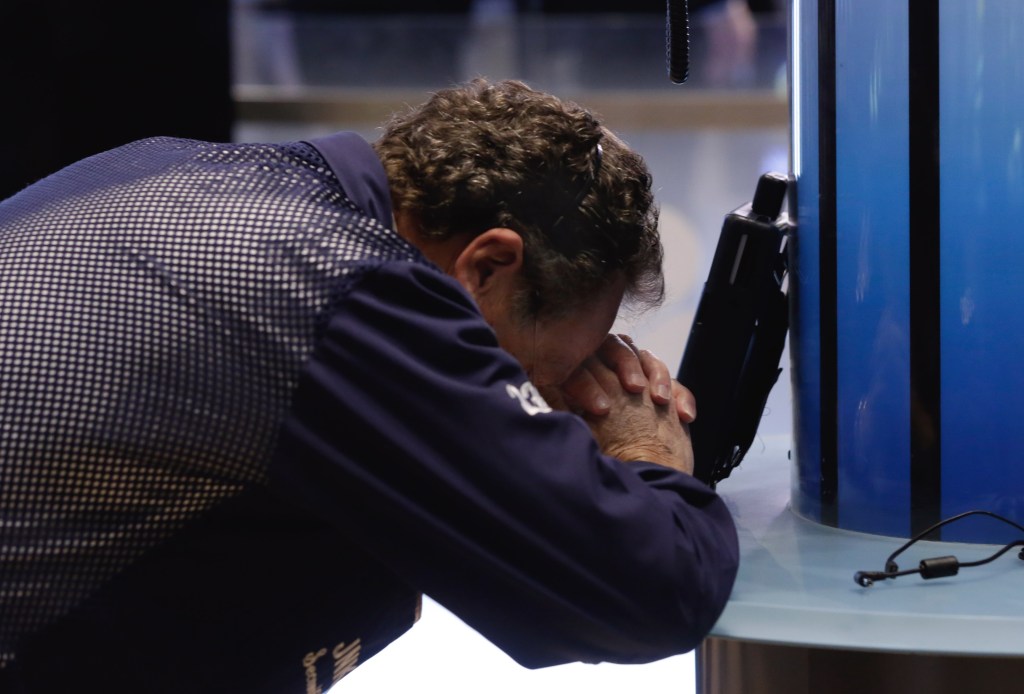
259	398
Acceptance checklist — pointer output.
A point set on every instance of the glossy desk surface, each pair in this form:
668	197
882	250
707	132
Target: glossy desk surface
796	585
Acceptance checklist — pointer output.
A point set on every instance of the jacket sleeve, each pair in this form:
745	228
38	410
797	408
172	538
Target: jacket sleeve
414	433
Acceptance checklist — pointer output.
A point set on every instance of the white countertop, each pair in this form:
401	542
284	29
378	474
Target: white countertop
796	585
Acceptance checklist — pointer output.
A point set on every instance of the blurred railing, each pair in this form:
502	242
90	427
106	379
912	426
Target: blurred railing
306	66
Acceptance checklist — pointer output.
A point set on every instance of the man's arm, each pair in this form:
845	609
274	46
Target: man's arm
417	436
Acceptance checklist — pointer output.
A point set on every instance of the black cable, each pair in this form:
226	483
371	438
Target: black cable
937	567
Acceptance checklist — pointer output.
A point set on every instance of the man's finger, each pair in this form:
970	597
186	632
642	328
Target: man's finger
686	404
657	375
584	394
621	356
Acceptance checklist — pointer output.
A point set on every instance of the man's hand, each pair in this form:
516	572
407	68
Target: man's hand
635	426
638	370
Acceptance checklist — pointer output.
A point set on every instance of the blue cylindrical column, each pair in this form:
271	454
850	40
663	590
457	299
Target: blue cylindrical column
907	279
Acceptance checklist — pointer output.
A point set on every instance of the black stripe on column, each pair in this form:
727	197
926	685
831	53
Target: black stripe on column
827	259
925	371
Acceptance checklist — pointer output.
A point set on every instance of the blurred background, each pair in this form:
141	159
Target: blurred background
91	76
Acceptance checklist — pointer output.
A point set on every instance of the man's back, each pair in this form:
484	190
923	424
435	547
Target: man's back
158	310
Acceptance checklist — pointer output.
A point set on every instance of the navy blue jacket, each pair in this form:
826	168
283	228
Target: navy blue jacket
357	435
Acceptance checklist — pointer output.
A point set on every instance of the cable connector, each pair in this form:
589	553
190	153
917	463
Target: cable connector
937	567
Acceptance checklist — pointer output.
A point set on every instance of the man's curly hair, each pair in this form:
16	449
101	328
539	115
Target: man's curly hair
482	155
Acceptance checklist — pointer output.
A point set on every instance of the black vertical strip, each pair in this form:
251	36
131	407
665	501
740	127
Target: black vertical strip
925	366
827	259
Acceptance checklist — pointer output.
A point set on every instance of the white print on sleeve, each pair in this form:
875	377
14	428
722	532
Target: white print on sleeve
529	397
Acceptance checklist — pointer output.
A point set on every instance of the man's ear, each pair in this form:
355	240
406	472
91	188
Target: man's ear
491	261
